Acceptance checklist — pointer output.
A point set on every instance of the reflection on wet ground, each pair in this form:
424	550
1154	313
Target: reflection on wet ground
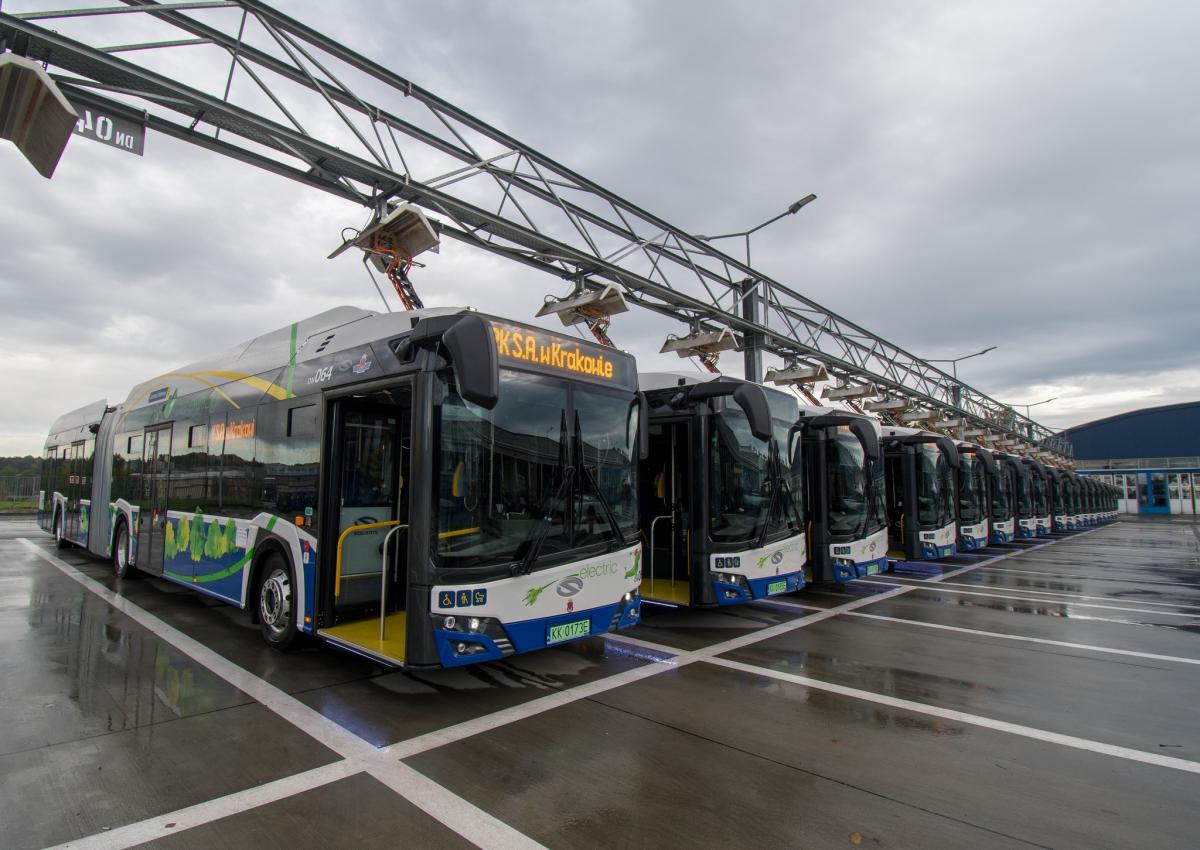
105	723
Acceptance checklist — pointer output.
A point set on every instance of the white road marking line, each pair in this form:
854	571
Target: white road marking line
788	604
464	818
1027	639
231	804
972	719
488	722
1060	598
1082	577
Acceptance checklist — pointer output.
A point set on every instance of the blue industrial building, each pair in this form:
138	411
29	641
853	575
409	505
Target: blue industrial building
1152	454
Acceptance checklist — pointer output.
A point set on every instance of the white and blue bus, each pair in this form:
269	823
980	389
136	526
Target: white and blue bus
843	466
722	499
976	475
921	473
428	488
1004	511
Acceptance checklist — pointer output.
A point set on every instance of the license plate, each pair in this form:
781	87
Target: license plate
566	631
777	587
872	569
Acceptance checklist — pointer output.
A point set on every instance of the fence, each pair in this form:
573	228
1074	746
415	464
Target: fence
15	488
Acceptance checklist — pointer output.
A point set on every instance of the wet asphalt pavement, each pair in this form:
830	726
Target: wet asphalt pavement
1038	696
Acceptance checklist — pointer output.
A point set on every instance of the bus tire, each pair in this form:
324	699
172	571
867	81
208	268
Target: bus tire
122	564
276	601
59	541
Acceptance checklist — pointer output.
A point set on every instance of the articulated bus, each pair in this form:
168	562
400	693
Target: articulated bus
722	491
1004	499
1039	481
843	465
429	488
976	472
922	471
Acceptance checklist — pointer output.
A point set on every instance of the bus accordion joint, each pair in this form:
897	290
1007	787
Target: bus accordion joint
337	570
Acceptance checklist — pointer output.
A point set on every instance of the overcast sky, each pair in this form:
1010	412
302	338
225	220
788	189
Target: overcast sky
1017	174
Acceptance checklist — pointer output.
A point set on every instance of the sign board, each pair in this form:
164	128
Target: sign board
111	130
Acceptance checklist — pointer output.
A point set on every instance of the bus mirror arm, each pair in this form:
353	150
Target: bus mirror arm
749	397
643	426
469	342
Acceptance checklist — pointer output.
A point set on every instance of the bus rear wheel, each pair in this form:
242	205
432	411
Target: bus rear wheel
276	599
122	563
59	540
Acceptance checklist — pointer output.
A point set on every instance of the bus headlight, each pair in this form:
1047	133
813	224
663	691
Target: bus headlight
450	623
473	624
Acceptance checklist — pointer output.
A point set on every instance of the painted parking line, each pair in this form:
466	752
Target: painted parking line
211	810
1082	577
464	818
385	764
1030	732
1047	597
1027	639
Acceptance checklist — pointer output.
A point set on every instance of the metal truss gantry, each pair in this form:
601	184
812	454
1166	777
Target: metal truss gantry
251	83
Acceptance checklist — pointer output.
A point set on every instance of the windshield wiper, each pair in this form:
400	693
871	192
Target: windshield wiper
591	479
557	504
779	487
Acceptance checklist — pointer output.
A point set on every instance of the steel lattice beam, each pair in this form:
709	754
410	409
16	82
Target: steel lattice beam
488	189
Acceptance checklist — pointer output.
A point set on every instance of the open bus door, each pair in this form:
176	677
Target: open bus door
666	512
368	452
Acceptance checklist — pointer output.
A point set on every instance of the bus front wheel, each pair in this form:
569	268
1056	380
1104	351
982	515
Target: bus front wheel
276	599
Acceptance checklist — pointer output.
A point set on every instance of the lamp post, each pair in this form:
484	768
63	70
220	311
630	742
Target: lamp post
791	210
1028	422
752	343
953	361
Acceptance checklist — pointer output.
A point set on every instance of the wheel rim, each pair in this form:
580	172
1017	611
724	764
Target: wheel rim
122	550
275	602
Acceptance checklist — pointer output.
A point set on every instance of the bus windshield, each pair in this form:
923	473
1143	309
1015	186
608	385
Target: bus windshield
849	494
934	486
972	489
1039	495
1024	496
1057	488
739	478
1001	497
506	480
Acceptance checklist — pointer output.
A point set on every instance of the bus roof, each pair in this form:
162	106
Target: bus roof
89	414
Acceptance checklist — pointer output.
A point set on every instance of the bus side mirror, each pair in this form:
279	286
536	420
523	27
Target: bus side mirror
950	451
862	429
473	356
753	402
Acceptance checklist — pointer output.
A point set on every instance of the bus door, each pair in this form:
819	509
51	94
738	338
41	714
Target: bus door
74	492
370	448
152	516
667	481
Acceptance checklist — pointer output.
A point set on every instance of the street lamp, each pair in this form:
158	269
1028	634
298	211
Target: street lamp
792	210
953	361
752	342
1034	404
1028	421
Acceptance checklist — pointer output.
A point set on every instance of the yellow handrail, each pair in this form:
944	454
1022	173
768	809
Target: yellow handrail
337	570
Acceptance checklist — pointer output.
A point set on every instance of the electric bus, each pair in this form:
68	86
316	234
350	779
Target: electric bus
843	465
722	491
976	471
1060	518
1002	486
428	488
921	473
1022	483
1039	479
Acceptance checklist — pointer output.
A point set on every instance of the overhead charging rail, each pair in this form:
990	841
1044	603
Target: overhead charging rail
254	83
